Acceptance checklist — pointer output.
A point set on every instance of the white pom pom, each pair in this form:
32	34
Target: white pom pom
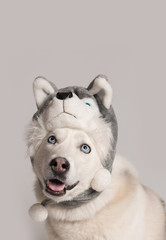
38	212
101	180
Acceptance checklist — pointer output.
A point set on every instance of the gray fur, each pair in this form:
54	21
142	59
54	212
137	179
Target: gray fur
79	91
47	201
78	201
110	118
44	106
81	199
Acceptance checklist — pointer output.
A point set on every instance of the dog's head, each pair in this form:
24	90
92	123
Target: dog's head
71	137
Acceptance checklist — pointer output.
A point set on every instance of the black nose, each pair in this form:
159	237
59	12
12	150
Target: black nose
64	95
60	165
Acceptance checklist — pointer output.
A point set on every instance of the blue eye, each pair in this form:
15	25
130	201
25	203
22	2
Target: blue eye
52	140
88	103
85	148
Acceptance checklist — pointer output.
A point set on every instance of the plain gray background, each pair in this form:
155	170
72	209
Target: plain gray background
70	42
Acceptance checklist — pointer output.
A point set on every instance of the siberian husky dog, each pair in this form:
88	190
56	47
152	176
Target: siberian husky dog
89	191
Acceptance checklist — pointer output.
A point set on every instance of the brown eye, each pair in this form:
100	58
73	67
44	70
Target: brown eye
52	140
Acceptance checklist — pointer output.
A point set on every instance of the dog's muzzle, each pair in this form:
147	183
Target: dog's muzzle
56	186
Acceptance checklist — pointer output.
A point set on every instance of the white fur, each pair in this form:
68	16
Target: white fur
115	214
101	180
38	212
35	132
124	210
82	166
42	89
103	89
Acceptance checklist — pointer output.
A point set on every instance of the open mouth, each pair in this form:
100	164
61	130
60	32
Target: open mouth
58	188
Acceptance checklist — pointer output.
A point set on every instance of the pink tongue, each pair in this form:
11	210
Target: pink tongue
56	187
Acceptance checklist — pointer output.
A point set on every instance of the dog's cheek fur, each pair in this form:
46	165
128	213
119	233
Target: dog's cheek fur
35	133
41	161
87	165
103	140
101	136
82	166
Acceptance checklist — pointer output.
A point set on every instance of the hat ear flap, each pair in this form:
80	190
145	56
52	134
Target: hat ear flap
42	88
103	89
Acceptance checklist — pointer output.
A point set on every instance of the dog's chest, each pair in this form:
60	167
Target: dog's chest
89	231
105	225
84	230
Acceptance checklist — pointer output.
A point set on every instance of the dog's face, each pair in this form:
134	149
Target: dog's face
71	136
65	163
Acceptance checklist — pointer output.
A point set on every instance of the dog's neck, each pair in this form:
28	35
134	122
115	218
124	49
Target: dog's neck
78	201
